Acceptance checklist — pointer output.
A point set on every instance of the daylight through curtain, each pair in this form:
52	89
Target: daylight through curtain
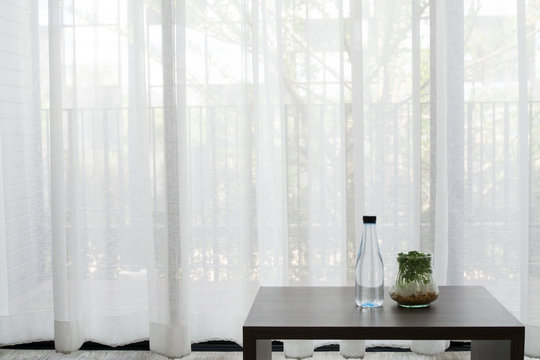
161	159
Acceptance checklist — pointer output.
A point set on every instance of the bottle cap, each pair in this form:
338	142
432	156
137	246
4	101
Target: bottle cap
370	219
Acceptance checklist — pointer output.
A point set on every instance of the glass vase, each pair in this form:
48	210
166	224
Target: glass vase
414	286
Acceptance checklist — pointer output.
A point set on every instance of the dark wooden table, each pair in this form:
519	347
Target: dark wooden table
460	313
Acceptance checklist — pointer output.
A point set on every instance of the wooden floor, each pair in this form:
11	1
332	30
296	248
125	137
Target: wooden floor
145	355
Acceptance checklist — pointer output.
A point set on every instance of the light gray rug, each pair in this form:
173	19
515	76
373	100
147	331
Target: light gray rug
145	355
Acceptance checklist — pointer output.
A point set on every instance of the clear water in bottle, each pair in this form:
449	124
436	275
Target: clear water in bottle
369	277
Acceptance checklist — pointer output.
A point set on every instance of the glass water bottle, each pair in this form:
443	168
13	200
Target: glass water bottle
369	278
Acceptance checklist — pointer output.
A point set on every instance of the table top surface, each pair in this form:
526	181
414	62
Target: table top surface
456	307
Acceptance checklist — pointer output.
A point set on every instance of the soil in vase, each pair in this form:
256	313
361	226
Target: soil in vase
418	300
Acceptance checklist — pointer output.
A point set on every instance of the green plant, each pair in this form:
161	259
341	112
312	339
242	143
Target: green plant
414	266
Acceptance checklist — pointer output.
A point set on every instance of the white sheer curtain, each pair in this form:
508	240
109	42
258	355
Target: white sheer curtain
162	159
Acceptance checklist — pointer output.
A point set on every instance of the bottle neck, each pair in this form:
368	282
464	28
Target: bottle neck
370	237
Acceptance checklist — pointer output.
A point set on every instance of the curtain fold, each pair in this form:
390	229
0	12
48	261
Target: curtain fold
65	277
161	159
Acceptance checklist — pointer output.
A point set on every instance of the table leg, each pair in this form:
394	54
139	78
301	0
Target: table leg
517	349
256	349
490	350
264	349
497	349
